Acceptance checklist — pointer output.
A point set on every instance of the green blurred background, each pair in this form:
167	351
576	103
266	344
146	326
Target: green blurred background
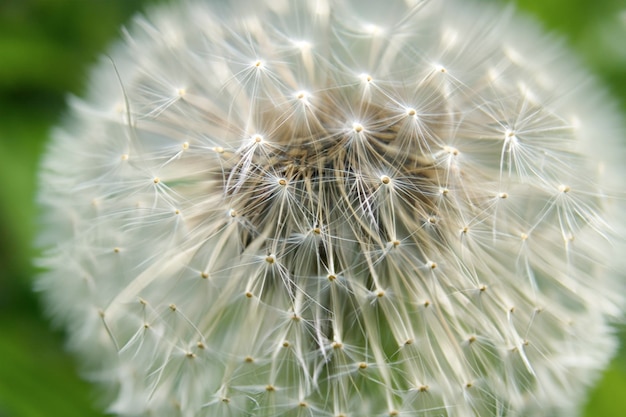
46	47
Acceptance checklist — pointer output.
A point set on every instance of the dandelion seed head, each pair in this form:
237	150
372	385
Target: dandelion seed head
337	208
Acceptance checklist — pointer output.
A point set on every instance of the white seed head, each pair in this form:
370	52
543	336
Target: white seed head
373	214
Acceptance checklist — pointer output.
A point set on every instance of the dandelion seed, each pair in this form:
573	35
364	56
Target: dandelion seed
363	208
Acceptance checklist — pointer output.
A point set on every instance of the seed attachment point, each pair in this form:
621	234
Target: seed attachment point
564	188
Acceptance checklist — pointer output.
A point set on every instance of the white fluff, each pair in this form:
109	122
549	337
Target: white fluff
337	208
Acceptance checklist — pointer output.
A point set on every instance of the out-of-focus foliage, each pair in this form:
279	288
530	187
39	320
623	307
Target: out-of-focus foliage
46	47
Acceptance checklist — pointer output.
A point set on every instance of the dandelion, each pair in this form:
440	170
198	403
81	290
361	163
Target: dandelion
336	208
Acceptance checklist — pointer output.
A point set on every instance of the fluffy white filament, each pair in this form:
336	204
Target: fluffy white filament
336	208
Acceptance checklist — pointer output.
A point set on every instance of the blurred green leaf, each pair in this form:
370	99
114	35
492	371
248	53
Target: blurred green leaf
37	377
607	399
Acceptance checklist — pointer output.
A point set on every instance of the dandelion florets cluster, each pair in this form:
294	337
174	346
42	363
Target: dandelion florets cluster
336	208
